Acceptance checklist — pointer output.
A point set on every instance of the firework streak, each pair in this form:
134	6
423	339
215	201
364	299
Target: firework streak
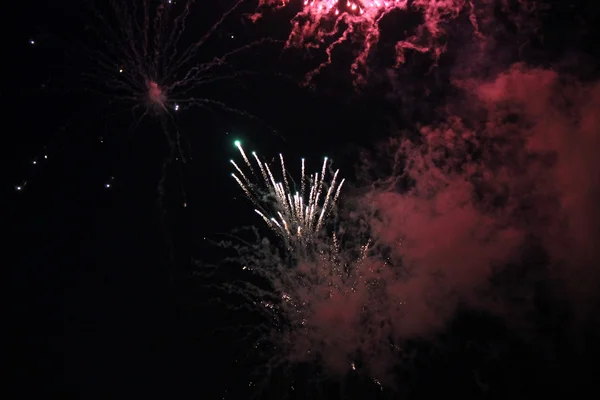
297	216
329	23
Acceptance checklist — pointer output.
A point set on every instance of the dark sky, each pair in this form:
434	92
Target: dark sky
100	297
95	308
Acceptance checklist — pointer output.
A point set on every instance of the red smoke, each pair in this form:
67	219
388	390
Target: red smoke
515	166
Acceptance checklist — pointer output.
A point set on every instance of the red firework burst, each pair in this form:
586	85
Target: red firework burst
329	23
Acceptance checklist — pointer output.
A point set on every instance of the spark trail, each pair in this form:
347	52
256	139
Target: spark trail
295	214
329	23
148	57
151	59
298	290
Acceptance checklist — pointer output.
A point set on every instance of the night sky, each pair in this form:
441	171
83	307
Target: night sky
105	295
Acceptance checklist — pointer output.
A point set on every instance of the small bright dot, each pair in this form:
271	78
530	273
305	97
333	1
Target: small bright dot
35	162
32	41
232	36
237	143
176	107
46	157
107	185
120	70
18	188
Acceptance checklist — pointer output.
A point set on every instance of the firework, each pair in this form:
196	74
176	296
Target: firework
335	7
329	23
148	57
315	295
296	214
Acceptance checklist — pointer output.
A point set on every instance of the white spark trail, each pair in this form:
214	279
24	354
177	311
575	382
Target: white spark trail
296	217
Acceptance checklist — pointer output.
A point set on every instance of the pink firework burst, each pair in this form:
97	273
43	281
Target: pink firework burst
329	23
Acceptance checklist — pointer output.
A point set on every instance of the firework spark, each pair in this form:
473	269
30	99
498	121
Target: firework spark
296	214
329	23
303	291
147	55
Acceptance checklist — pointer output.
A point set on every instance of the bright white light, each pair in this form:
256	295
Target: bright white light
32	41
46	157
176	107
18	188
35	162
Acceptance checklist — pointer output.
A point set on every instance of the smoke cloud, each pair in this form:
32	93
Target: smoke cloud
508	182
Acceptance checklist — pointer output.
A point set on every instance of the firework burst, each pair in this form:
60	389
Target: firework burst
314	297
297	214
328	24
148	55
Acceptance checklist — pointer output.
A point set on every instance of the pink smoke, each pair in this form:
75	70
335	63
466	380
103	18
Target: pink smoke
516	165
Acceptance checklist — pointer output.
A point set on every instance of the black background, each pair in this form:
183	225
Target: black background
98	304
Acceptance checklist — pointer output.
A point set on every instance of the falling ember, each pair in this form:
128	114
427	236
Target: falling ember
329	23
297	217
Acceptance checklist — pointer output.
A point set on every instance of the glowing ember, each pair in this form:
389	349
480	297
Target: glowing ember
156	96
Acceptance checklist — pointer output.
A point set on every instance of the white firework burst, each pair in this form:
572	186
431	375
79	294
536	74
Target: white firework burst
296	214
